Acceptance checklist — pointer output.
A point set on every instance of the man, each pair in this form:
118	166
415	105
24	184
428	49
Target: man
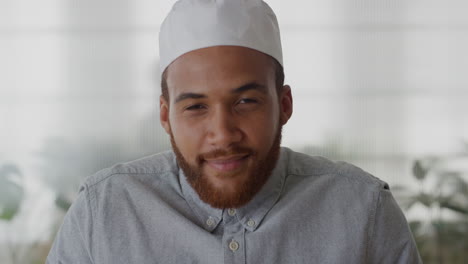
228	193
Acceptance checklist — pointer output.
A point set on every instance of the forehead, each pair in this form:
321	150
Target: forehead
219	68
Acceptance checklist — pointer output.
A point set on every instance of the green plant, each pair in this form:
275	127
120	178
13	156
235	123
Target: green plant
11	191
442	235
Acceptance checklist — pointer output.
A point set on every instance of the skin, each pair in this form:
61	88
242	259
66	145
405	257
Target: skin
224	116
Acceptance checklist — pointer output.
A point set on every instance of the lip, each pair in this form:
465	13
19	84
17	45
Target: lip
228	163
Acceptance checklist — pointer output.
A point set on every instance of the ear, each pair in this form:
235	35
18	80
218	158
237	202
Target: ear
164	114
286	104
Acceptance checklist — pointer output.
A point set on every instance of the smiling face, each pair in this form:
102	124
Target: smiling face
224	116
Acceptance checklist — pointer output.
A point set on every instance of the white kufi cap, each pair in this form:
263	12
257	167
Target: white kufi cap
196	24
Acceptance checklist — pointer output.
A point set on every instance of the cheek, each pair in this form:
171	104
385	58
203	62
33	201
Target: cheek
261	131
187	137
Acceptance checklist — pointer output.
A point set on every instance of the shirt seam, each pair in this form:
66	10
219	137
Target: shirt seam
90	197
121	173
372	219
376	196
375	182
305	174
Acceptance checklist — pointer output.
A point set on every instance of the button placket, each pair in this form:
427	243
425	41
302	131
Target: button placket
234	244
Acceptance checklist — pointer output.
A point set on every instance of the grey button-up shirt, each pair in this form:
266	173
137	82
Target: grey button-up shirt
311	210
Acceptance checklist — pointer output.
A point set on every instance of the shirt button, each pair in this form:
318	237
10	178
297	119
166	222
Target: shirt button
251	223
231	212
233	246
210	222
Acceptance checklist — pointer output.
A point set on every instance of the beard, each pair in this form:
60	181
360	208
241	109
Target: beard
258	172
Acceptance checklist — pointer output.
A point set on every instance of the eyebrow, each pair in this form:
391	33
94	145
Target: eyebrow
185	96
243	88
250	86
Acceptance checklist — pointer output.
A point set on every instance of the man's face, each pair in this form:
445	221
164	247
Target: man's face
224	117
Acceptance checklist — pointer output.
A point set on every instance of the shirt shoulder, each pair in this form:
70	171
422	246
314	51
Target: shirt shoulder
328	197
163	163
304	165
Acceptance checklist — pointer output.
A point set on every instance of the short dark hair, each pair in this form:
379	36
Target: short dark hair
279	79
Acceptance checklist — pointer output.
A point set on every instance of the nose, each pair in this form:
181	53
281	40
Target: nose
223	129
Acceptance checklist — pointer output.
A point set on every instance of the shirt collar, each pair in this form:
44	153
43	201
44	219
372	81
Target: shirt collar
250	215
208	216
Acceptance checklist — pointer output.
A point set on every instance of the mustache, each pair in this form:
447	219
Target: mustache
216	153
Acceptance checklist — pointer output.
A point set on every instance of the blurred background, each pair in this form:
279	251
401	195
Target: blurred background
381	84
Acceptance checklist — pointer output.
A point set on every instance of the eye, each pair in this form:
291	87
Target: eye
248	104
195	107
247	101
